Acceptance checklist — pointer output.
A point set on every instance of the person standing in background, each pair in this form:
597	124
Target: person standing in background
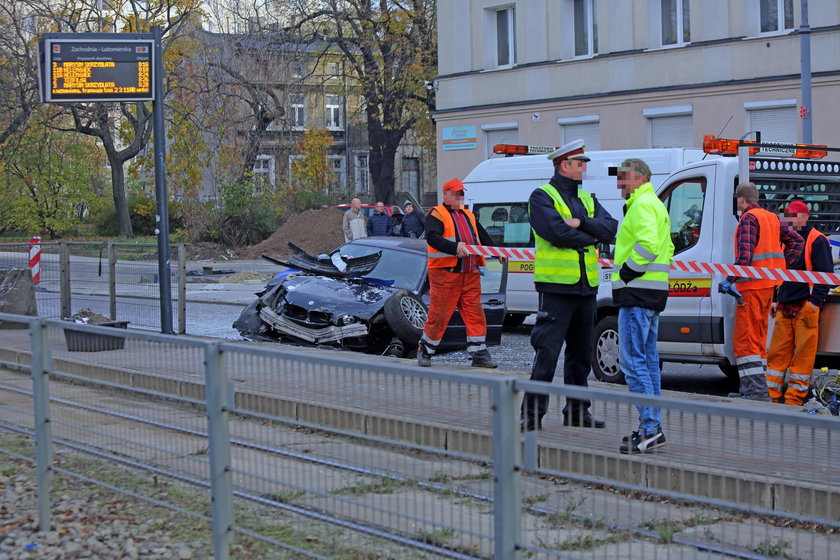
354	223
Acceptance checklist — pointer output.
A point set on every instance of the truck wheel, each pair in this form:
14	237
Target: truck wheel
733	381
605	351
406	315
513	320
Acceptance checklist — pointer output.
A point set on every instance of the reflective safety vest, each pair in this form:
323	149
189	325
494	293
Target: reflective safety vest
768	251
813	235
445	260
558	265
645	214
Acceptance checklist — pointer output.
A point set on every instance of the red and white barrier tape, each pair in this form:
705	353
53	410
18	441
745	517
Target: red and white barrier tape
686	266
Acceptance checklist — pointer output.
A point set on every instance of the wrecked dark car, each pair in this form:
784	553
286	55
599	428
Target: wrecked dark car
369	295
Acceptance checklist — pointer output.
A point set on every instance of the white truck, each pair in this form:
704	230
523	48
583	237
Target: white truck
697	189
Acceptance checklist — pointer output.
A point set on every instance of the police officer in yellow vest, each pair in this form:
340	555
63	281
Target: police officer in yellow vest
567	223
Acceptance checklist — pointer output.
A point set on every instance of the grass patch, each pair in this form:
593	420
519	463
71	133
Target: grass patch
774	548
534	499
438	537
284	497
384	486
665	529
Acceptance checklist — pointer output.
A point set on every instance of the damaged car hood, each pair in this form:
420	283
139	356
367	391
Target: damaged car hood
338	296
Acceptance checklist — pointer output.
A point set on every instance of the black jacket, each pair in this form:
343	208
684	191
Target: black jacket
822	261
379	224
434	236
549	225
413	223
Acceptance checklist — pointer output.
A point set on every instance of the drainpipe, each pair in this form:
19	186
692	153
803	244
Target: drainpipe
805	64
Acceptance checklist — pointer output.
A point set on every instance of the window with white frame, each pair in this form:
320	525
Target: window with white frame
336	163
264	169
670	127
587	127
505	37
298	68
776	15
586	27
333	69
293	159
333	109
777	121
297	110
362	172
675	17
411	175
499	133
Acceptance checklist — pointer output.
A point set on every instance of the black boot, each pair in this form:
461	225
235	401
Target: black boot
482	359
424	359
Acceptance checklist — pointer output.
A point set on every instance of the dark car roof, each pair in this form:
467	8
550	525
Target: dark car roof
400	243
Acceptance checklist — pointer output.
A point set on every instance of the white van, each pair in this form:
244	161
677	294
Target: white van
696	325
498	191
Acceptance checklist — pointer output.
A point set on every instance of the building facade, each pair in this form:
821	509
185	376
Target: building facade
629	74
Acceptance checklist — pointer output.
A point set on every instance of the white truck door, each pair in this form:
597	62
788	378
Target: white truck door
686	323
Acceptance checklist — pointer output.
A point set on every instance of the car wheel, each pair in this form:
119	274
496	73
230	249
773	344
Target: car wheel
406	315
513	320
605	351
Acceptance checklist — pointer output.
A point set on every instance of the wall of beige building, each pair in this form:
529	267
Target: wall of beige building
622	122
728	68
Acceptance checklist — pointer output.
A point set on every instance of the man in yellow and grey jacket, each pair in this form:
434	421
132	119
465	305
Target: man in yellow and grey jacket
643	252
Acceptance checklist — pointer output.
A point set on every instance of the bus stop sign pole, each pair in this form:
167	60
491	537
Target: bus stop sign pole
162	211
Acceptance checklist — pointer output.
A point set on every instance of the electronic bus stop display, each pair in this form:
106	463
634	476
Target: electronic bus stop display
75	67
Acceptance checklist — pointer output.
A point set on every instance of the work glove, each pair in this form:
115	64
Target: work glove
729	288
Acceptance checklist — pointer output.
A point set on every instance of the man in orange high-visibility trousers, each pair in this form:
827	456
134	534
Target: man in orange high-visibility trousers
454	277
797	314
758	242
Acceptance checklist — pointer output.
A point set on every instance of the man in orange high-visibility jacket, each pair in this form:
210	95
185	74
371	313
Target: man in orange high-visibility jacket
758	242
454	278
797	314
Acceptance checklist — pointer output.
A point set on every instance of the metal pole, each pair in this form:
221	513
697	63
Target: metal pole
41	410
112	281
507	506
162	217
182	288
64	278
219	451
805	63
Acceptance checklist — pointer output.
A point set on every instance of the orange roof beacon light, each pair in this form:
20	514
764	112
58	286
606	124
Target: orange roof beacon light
520	150
729	147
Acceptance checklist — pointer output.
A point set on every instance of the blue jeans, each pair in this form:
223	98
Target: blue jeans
639	360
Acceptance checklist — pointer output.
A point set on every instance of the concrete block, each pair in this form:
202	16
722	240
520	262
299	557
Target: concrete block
265	404
330	417
406	430
17	296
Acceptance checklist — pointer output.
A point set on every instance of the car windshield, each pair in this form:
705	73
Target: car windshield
403	268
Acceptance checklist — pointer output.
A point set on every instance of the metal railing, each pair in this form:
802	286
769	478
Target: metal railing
341	455
117	280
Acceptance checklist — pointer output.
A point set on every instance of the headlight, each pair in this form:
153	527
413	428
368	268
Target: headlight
347	320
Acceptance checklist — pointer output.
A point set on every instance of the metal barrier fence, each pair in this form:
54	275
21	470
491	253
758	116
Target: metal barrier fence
75	275
294	453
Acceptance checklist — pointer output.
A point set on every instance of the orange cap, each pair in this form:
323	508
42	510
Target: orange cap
453	185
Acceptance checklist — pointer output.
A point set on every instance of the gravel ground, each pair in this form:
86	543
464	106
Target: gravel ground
84	526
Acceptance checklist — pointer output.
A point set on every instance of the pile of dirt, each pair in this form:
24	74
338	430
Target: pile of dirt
314	231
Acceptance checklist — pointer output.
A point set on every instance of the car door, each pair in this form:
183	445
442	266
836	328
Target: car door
493	286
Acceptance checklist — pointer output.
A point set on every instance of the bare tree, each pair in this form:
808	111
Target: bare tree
391	48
